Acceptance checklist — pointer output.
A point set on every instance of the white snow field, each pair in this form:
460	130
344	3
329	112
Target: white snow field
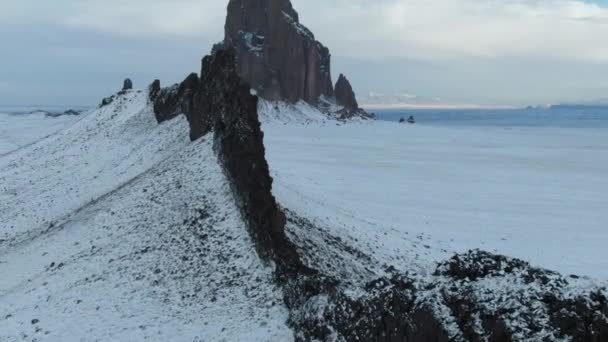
406	193
120	229
19	130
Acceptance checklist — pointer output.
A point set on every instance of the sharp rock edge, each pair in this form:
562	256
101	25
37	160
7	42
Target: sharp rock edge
476	296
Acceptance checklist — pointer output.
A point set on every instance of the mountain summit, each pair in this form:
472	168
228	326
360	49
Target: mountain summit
276	54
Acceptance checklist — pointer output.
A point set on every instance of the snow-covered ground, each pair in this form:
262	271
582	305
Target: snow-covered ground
420	193
117	228
17	130
120	229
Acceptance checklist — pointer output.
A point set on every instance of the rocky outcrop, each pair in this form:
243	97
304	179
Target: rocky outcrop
277	55
239	142
127	85
345	96
176	99
69	112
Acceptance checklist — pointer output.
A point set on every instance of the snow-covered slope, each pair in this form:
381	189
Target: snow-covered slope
302	113
285	113
121	229
118	228
43	184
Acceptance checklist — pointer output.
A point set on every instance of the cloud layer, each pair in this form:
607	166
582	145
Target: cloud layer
435	48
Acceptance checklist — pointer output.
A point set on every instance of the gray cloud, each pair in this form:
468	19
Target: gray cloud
485	51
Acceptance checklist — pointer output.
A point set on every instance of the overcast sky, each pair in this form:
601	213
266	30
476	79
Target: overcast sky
493	52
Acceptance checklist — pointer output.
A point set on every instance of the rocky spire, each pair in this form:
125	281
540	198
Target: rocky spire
127	84
276	54
345	96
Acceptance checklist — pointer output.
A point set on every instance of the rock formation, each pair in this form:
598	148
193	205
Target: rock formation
127	85
221	101
345	96
453	304
276	54
177	99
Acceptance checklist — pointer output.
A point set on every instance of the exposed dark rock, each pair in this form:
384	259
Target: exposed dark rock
107	101
277	55
411	120
154	90
67	112
72	112
345	96
177	99
583	318
402	120
127	85
478	264
239	142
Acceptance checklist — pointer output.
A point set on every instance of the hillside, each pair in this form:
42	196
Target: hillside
119	228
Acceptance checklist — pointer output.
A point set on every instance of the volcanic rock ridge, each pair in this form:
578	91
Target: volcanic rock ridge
476	296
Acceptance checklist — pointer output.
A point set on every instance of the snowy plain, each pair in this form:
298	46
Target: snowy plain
18	130
539	194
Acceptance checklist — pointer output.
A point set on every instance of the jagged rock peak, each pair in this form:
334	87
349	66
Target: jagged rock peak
345	96
276	54
127	84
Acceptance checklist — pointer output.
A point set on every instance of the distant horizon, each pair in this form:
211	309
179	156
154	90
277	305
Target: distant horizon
369	106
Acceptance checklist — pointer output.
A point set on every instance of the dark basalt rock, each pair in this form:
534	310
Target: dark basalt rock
239	142
345	96
106	101
177	99
583	318
127	85
69	112
154	90
72	112
277	55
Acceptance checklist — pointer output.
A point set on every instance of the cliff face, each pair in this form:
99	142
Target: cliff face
276	54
